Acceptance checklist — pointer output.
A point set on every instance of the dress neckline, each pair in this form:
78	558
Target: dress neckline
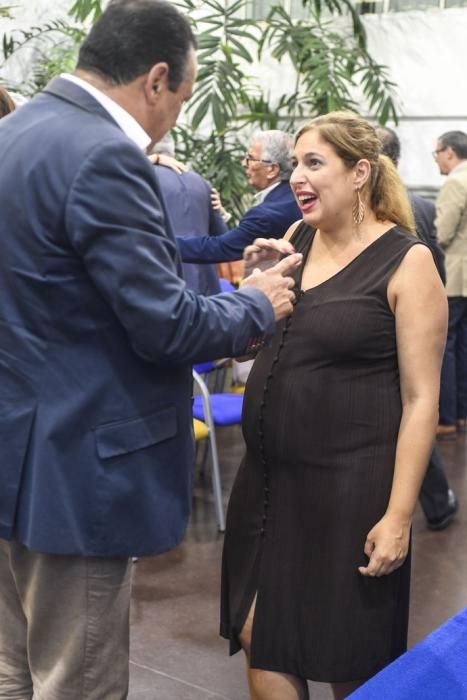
343	269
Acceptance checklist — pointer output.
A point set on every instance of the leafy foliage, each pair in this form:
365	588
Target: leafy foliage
331	68
5	11
327	51
54	45
62	59
84	9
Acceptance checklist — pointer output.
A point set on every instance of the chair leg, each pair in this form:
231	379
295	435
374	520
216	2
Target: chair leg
216	476
216	483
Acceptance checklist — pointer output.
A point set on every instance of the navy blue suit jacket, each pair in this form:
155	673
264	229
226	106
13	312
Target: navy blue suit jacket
97	336
187	199
270	219
424	212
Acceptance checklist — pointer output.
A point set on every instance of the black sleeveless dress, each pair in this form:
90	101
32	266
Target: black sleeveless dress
321	417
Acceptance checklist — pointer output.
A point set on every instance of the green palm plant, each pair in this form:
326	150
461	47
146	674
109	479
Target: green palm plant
330	64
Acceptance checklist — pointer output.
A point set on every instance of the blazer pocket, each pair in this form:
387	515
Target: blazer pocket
125	436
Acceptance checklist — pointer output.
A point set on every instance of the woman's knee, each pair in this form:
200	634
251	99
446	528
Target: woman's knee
247	629
245	637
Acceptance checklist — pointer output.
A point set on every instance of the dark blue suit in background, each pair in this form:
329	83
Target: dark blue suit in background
270	219
187	199
435	492
97	336
424	212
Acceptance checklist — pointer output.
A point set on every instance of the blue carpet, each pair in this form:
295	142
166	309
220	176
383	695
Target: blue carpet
434	669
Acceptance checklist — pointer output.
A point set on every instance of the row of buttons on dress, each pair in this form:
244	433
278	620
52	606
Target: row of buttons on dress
262	406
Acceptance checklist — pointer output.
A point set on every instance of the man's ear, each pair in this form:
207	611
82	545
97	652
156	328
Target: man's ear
362	172
450	153
156	81
273	171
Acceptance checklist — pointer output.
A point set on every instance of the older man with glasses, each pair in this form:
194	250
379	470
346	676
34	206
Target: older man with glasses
268	166
451	222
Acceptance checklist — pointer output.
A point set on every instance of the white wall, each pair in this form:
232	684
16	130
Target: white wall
427	56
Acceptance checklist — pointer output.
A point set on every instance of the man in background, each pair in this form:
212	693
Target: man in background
187	199
438	501
268	166
451	222
98	334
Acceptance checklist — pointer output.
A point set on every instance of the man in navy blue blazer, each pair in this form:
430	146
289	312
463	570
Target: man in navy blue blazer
187	200
268	166
97	336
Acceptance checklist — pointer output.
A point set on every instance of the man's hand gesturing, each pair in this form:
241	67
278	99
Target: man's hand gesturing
264	253
275	283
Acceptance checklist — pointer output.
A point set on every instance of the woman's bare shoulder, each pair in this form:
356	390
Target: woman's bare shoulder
290	231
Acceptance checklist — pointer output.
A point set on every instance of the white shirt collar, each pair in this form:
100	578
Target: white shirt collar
259	197
126	122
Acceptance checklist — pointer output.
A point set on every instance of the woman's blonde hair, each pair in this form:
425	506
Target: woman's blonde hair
6	103
353	138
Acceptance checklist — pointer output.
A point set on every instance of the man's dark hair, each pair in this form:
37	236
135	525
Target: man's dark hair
390	144
457	140
131	36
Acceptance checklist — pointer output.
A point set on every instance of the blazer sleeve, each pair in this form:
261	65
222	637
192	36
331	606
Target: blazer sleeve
229	246
450	204
114	222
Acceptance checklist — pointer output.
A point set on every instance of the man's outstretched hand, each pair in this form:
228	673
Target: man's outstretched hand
276	284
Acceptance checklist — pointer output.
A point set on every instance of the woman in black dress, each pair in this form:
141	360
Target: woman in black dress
339	417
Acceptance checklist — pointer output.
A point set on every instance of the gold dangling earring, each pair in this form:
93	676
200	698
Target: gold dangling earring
358	210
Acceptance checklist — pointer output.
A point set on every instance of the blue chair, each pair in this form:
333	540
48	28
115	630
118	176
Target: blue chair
226	408
225	285
435	668
213	372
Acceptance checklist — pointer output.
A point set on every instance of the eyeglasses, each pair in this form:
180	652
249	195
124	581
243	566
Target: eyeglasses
438	150
249	159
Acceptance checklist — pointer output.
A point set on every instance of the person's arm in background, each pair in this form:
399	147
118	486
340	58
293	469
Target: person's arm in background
451	202
438	254
115	224
424	212
229	246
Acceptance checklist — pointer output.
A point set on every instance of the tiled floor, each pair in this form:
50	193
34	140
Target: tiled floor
176	653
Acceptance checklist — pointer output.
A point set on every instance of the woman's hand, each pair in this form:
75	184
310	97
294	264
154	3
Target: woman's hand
217	205
216	200
169	162
264	253
386	546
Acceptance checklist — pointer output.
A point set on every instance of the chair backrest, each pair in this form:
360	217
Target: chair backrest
205	367
224	408
213	372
